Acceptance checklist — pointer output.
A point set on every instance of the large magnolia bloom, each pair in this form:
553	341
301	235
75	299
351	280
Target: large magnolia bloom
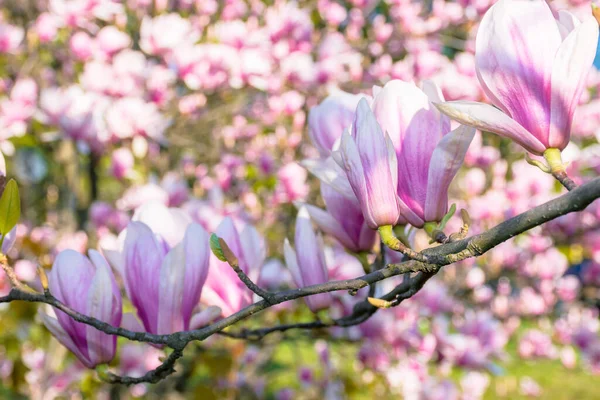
533	67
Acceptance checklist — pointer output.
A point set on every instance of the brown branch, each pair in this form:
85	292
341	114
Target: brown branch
233	262
564	179
437	257
154	376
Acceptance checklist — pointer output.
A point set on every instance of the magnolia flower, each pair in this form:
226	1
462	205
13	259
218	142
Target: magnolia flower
533	67
164	33
369	160
224	288
122	163
327	121
307	264
89	288
163	259
343	220
428	153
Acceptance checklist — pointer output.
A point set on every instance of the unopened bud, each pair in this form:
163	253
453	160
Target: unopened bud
43	278
379	303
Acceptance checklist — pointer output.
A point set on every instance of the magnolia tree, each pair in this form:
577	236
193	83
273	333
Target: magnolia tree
403	190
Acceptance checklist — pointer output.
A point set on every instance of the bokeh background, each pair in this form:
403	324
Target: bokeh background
203	105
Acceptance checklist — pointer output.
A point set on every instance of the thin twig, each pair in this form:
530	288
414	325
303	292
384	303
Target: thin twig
576	200
233	262
156	375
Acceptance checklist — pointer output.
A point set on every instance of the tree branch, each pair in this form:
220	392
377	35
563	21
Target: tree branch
437	257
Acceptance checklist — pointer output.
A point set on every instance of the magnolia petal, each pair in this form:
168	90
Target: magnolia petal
566	22
310	255
515	47
229	233
487	118
169	223
205	317
255	251
330	225
197	257
433	91
64	338
377	158
292	263
573	61
447	158
101	347
132	323
144	255
331	173
356	176
170	293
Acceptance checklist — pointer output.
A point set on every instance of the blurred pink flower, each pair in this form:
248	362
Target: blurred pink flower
10	37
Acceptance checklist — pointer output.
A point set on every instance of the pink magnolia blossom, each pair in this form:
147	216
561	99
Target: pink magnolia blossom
343	220
164	33
307	264
224	288
533	67
122	163
328	120
163	259
110	40
46	26
428	153
89	287
81	45
368	158
10	37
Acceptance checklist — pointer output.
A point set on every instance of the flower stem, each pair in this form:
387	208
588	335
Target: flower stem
557	168
390	240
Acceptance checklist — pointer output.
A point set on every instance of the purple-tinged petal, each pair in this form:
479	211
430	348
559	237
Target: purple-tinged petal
170	294
132	323
573	61
310	255
292	263
144	255
197	257
447	158
415	126
433	91
205	317
169	223
9	240
376	159
330	172
356	176
64	338
487	118
229	233
566	22
100	299
328	224
254	250
327	121
515	47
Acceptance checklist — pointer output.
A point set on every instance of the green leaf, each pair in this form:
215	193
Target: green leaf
10	207
215	246
447	217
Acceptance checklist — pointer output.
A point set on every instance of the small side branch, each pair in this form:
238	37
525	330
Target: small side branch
233	262
156	375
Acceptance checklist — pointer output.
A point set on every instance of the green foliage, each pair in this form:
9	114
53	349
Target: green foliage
10	207
215	246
